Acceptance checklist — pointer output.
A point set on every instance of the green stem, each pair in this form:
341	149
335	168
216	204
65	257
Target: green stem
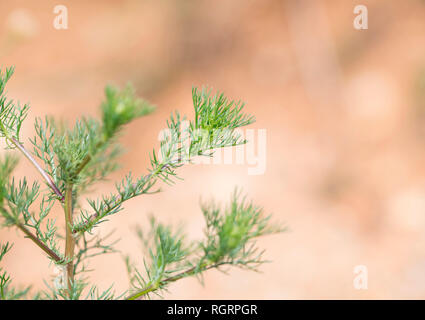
69	241
187	273
88	158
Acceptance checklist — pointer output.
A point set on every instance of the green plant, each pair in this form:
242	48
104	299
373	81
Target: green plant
73	159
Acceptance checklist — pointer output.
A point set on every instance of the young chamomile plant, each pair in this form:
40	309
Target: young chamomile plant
69	160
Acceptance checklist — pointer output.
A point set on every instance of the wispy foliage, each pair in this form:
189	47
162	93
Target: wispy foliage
71	159
229	241
215	124
12	114
7	292
120	108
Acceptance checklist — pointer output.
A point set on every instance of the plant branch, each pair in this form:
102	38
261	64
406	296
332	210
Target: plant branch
88	158
46	177
181	275
95	216
37	241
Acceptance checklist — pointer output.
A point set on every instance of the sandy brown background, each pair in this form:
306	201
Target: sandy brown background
344	111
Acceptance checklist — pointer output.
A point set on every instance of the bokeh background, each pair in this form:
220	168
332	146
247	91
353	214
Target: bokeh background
344	111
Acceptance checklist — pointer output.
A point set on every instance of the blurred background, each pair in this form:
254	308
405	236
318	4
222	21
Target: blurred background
344	111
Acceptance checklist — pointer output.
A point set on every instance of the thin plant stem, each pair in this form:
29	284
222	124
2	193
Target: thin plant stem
88	158
179	276
39	243
43	173
119	201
